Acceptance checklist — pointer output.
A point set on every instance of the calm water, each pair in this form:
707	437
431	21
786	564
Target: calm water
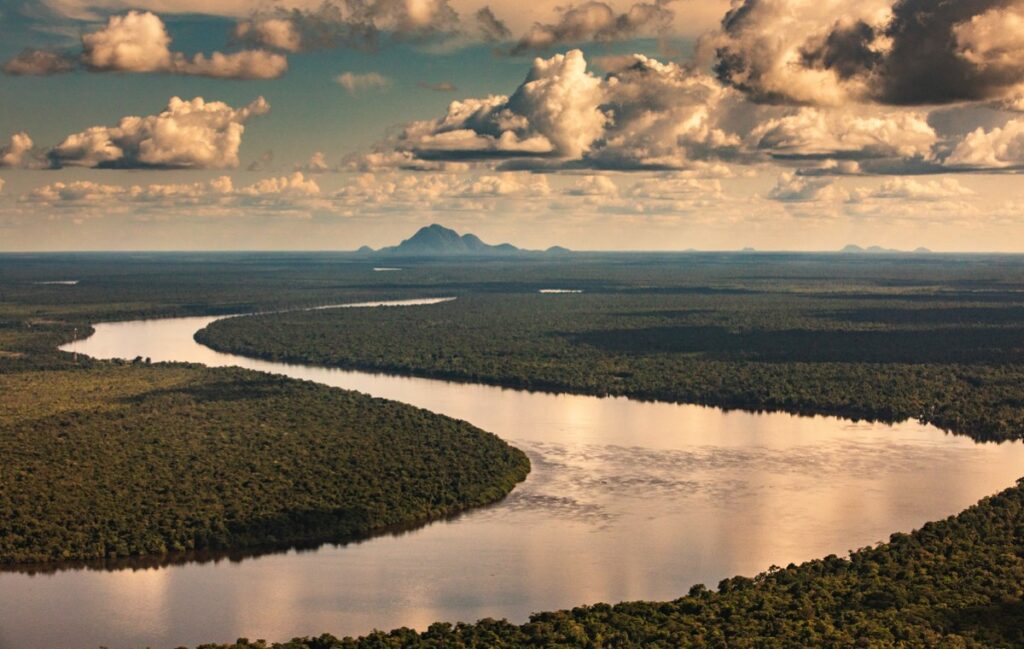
626	500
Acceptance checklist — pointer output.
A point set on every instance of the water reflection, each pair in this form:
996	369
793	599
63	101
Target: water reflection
626	500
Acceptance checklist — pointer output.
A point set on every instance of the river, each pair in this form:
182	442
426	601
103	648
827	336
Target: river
626	500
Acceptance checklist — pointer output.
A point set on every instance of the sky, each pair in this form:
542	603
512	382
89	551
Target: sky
618	125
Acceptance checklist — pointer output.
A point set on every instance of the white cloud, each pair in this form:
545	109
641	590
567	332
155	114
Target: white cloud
814	132
790	188
676	186
353	82
994	149
554	112
503	185
594	186
134	42
189	134
294	185
248	64
560	100
647	115
994	40
914	189
139	42
661	115
281	192
13	153
77	191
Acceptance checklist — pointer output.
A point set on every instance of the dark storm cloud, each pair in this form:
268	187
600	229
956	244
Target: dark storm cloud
925	52
926	64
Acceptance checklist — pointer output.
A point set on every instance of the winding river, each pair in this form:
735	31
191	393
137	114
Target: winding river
626	500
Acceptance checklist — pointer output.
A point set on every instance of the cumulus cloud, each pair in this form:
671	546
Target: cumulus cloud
596	21
77	191
294	185
13	153
391	192
908	52
998	148
189	134
817	133
353	82
279	191
554	112
662	115
33	62
503	185
913	189
560	99
677	186
357	24
647	115
790	188
139	42
594	186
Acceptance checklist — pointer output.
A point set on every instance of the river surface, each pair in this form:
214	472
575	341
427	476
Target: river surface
626	500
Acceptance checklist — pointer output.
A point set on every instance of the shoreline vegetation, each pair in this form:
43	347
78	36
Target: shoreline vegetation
136	460
956	582
956	367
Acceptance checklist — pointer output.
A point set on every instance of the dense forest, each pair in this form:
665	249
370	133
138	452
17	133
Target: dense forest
103	460
126	460
934	337
956	361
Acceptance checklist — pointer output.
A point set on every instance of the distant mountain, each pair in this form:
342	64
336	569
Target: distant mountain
854	249
365	250
439	241
557	250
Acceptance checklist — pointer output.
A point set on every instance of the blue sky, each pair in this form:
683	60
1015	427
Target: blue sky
627	125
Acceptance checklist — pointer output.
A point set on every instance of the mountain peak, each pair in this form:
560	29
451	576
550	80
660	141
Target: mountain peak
435	239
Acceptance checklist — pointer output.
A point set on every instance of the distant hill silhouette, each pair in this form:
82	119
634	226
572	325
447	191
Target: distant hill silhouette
851	248
436	240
